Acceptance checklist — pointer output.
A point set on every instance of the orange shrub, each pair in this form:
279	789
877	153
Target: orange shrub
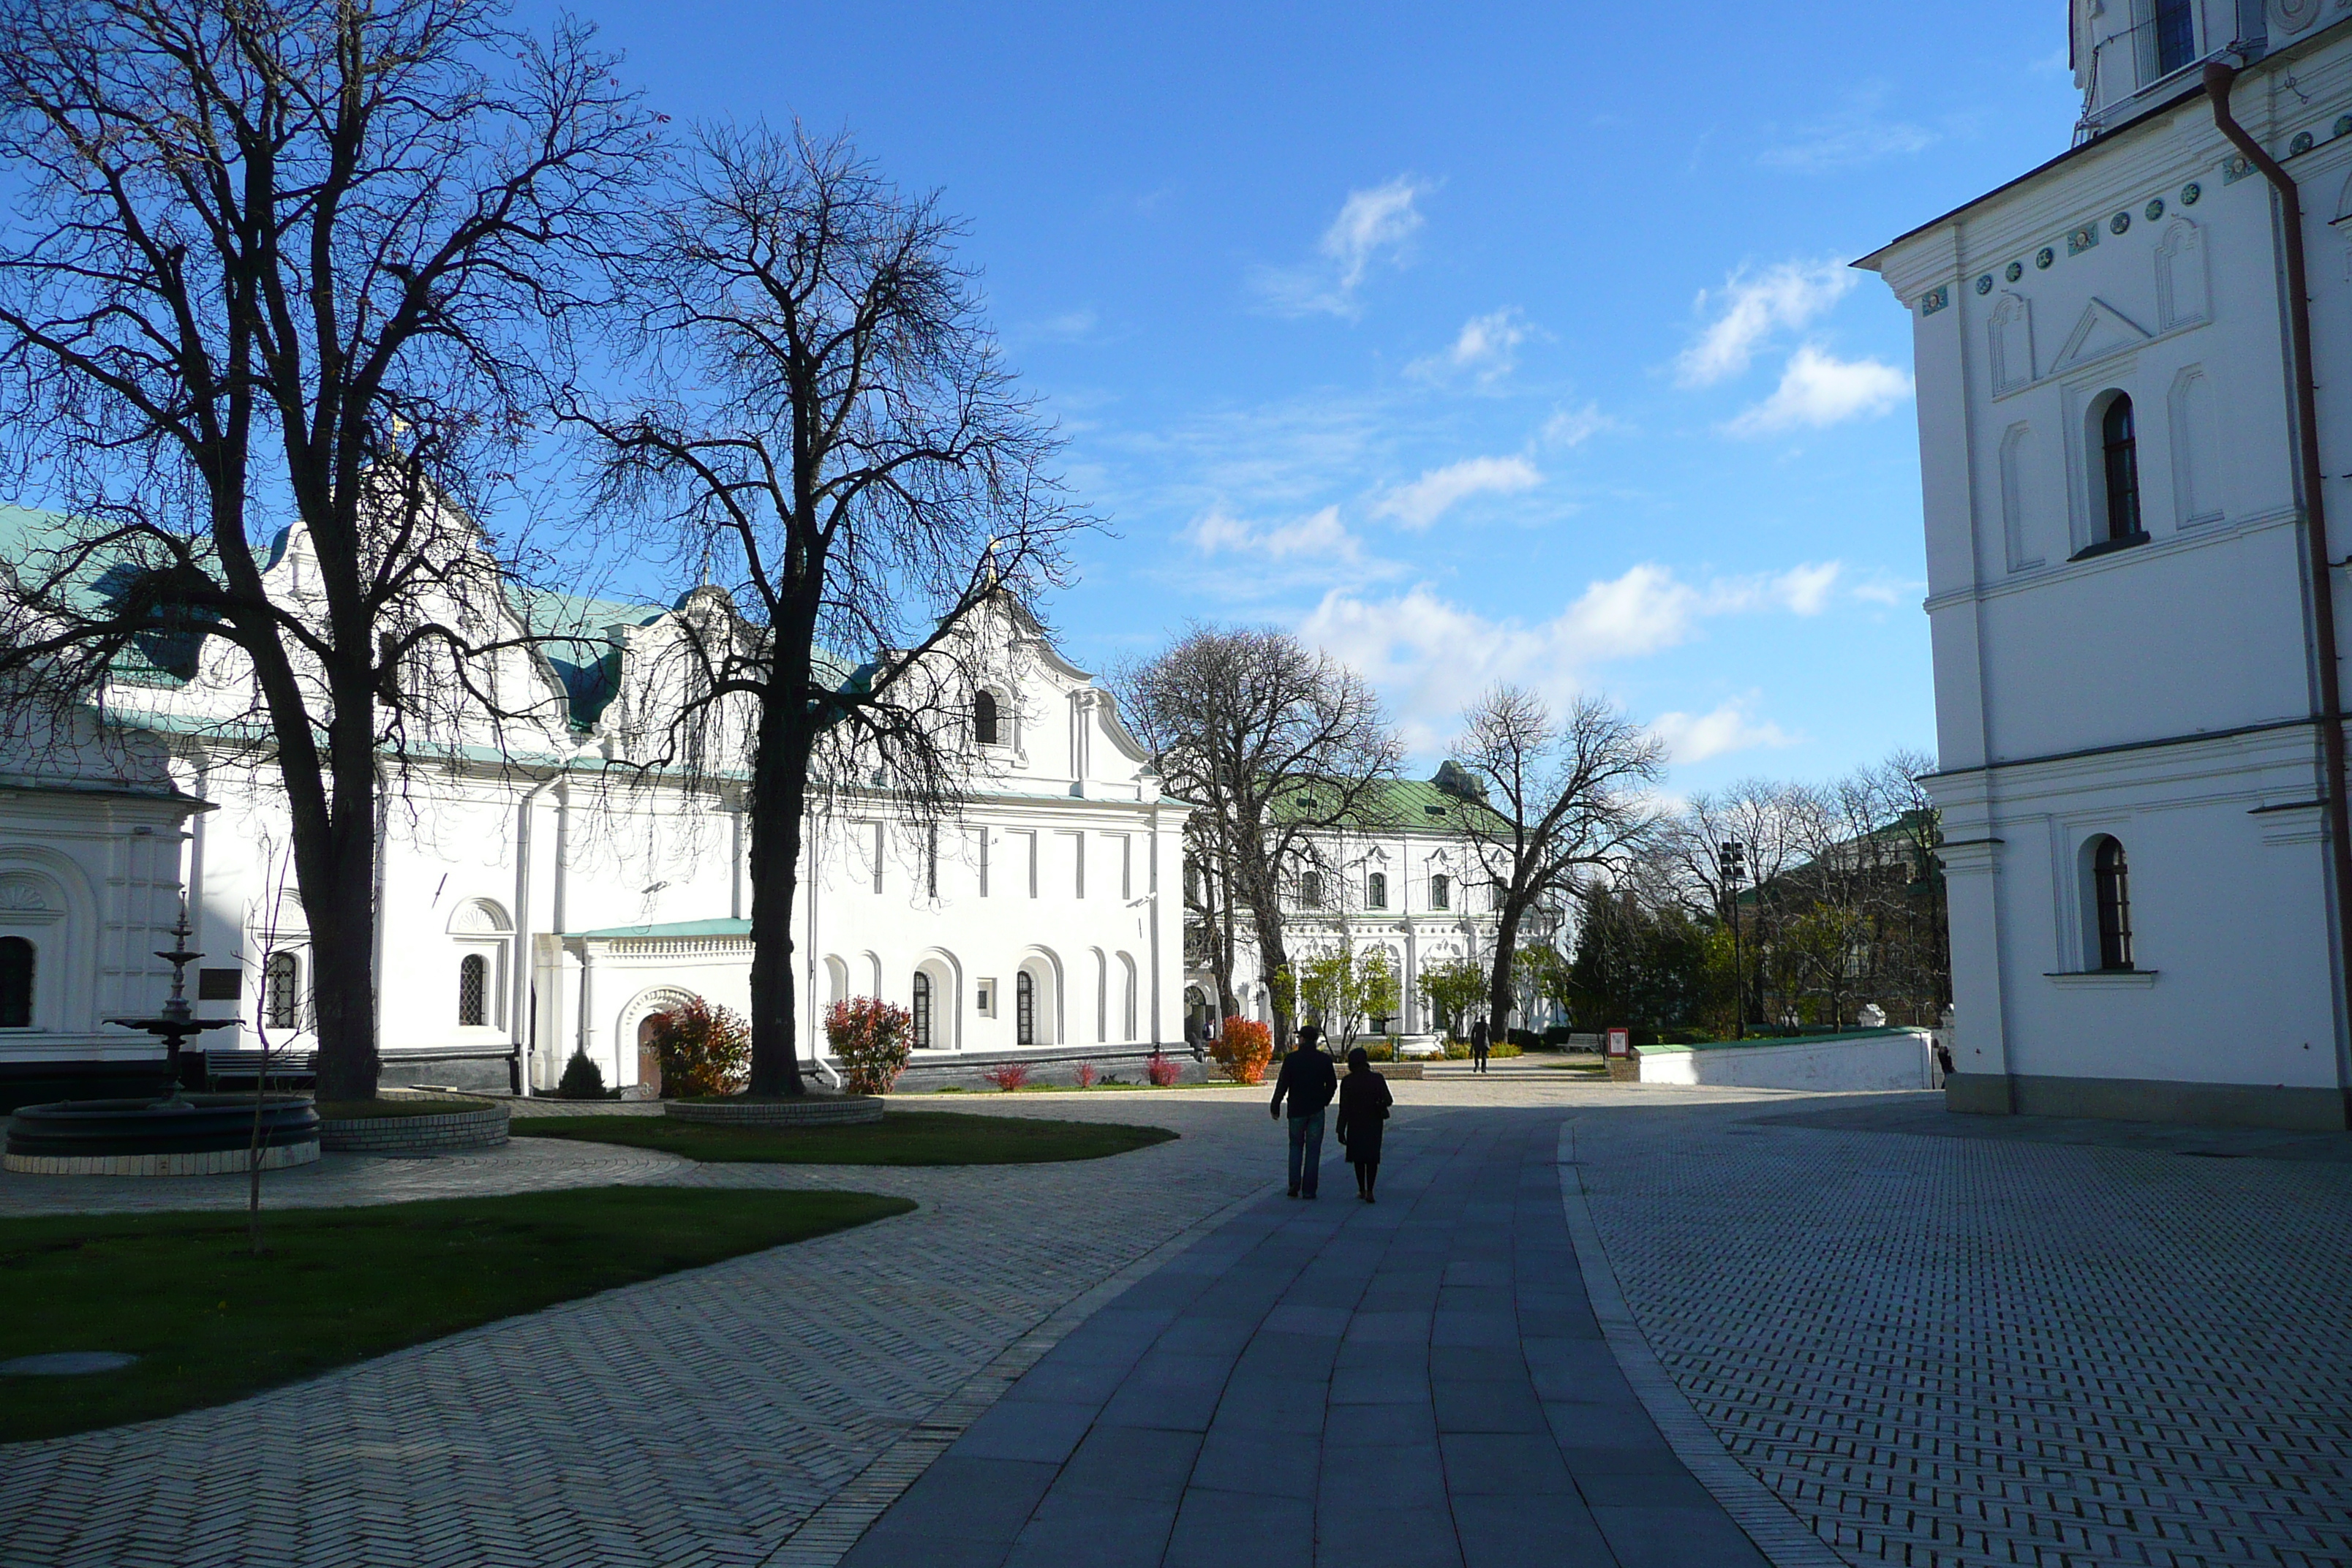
1243	1050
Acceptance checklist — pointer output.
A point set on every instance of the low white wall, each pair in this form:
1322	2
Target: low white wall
1898	1059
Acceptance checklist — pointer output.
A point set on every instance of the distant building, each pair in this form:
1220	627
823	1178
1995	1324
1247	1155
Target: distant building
2129	639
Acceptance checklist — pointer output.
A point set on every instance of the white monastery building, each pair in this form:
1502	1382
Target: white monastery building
542	894
2137	609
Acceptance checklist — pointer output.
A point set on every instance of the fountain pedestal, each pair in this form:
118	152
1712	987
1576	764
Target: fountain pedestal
178	1135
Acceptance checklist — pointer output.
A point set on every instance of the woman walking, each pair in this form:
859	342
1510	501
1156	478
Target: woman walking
1364	1101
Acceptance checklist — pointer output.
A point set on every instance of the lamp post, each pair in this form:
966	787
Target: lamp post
1731	861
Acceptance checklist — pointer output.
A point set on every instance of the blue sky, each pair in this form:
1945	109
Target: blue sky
1473	343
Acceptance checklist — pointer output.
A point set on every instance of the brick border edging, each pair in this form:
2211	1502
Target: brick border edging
205	1163
1757	1508
846	1110
476	1129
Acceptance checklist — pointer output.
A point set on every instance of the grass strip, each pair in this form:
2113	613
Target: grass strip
901	1138
211	1323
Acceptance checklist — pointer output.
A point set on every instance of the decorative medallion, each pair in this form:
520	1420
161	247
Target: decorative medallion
2235	167
1934	299
2013	272
1984	284
2190	192
2119	223
2154	210
2342	124
2044	256
2301	143
2082	240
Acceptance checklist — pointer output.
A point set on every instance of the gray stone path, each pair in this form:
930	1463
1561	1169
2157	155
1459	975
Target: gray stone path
1420	1382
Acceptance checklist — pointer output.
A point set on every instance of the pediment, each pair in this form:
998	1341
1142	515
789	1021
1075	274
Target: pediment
2102	331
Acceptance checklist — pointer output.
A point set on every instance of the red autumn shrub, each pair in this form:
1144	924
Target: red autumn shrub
1008	1075
1087	1075
1160	1070
870	1039
703	1049
1243	1050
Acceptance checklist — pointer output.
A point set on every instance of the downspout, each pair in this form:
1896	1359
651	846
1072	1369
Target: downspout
520	988
2218	78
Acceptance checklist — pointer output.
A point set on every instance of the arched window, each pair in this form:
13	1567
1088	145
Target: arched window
1376	890
474	990
1025	1009
923	1011
2111	893
1310	890
2119	448
16	982
984	717
279	978
1441	891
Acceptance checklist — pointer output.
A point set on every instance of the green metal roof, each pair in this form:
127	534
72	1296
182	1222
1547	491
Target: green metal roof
1390	805
672	928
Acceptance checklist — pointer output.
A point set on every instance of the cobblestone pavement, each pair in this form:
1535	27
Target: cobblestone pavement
1939	1350
1982	1349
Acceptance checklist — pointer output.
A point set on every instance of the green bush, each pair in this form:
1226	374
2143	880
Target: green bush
1379	1051
583	1079
1522	1038
1558	1035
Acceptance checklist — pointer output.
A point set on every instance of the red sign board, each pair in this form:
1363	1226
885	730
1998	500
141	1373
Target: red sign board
1621	1042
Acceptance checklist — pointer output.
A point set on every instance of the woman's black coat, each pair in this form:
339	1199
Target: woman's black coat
1364	1101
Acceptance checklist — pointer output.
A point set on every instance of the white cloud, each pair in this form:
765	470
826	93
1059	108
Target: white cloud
1750	307
1486	347
1820	389
1372	224
1575	426
1694	738
1320	535
1430	496
1852	136
1069	325
1429	657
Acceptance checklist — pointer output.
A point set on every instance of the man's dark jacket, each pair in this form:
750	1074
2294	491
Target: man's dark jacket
1308	1078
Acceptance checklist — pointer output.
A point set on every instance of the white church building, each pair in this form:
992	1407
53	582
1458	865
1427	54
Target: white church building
542	896
2133	615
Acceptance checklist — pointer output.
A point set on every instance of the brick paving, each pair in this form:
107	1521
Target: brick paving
1936	1346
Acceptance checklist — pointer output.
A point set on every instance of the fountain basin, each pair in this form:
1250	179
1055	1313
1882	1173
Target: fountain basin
193	1135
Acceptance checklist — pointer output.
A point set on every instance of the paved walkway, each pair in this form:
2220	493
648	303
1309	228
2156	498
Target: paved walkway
1418	1382
1934	1342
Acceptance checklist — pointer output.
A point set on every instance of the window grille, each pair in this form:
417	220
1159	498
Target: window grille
1441	893
1376	890
923	1011
279	978
2121	449
2111	889
474	991
1025	1009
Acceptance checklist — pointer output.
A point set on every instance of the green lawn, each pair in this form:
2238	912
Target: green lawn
901	1138
211	1323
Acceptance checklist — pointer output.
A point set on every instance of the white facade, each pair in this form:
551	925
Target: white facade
2144	697
540	896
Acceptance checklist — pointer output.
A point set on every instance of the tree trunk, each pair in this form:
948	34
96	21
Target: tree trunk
335	859
1273	958
779	798
1499	982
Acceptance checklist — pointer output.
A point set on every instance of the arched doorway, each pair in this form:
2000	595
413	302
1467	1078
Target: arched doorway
648	1058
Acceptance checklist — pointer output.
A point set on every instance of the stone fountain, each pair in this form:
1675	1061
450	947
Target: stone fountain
179	1134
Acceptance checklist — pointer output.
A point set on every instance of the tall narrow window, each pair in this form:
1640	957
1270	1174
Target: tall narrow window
984	717
16	982
1376	890
923	1011
1025	1009
474	990
2120	448
1310	890
2111	889
279	979
2176	35
1441	891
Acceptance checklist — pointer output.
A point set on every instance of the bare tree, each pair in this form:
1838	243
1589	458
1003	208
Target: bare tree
834	431
1278	745
1564	796
307	263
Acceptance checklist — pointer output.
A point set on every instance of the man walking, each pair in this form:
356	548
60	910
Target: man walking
1308	1080
1478	1044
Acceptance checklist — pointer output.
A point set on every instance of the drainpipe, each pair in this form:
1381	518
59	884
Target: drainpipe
518	989
2218	78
